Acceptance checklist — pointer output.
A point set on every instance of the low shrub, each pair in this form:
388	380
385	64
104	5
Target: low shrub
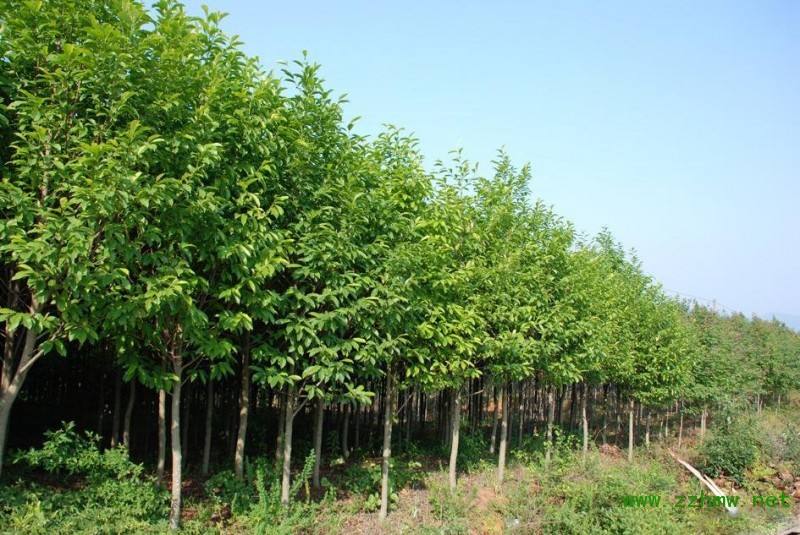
731	450
96	491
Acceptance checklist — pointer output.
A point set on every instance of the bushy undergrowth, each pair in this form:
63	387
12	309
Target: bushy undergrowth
86	490
75	487
779	439
572	496
255	500
363	479
732	449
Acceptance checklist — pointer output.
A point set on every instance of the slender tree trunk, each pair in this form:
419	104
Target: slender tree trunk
573	402
162	432
319	415
630	429
501	463
11	384
551	415
584	419
647	429
281	427
357	437
244	410
5	412
455	422
6	395
175	445
117	408
703	423
374	415
187	416
387	443
680	428
291	396
346	432
496	418
208	428
521	406
605	415
102	404
126	427
409	416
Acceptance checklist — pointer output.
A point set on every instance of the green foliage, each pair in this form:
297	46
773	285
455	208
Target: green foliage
224	488
364	479
578	496
782	445
269	516
732	449
66	452
451	510
472	450
102	489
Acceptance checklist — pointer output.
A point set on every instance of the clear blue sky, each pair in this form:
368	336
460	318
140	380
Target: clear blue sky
674	124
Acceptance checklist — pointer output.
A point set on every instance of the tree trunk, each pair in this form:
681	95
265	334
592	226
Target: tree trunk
208	429
496	418
454	430
584	419
357	437
680	429
10	384
647	429
521	407
630	429
287	446
561	393
175	445
551	415
244	410
101	405
409	417
501	463
187	415
126	426
573	402
319	416
345	432
281	426
162	432
703	423
605	415
116	410
5	412
387	443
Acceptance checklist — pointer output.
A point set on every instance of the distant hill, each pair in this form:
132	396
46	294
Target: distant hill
792	320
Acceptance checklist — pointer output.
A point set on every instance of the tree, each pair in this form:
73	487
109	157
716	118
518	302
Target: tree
69	177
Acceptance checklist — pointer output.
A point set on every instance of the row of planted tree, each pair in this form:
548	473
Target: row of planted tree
218	239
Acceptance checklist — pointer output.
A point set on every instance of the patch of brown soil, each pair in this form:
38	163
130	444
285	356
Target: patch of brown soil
188	513
484	497
610	450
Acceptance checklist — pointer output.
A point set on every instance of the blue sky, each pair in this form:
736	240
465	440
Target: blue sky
676	125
